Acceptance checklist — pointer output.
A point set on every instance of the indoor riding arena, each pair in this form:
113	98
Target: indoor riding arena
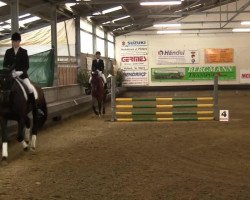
175	91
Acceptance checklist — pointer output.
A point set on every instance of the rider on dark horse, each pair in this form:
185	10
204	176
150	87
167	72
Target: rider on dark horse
98	65
17	59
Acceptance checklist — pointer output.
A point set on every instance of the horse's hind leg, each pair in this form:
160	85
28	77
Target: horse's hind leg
27	129
93	106
99	108
103	104
20	135
3	123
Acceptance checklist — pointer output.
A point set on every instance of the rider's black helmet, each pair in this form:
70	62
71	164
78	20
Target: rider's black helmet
16	37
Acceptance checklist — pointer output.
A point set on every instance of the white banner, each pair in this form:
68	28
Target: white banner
244	76
181	56
134	55
136	77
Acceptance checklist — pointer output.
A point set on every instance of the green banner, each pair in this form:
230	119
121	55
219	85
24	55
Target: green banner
41	70
193	73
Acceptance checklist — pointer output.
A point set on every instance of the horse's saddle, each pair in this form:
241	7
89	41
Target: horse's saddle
25	89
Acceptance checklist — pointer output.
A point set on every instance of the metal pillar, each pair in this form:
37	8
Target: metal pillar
94	38
113	94
14	7
78	40
54	40
216	100
106	44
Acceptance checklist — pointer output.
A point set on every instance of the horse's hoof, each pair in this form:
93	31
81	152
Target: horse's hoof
26	149
103	112
33	149
4	161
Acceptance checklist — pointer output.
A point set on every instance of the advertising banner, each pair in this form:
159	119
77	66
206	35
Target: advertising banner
193	73
136	77
181	56
219	55
244	76
134	55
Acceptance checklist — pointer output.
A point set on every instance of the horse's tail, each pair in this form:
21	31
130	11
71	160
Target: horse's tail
43	114
42	109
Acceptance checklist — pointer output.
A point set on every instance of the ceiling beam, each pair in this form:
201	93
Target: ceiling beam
187	22
153	15
241	10
32	10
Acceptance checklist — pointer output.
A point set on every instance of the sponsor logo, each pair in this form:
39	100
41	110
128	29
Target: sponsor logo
142	74
134	59
245	76
171	53
134	43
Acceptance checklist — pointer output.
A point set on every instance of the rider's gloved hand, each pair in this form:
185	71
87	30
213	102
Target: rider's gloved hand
16	73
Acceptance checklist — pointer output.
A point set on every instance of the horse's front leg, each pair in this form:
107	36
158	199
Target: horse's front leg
27	130
103	104
20	135
99	107
93	106
3	123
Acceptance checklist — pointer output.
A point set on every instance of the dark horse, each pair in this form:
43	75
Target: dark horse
98	93
15	106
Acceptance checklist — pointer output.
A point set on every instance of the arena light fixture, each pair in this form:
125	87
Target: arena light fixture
108	10
160	3
121	18
29	20
238	30
245	23
166	25
168	31
2	4
111	9
25	15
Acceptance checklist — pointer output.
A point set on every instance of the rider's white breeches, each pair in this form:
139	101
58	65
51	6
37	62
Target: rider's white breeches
27	82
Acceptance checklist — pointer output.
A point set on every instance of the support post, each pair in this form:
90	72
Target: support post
78	40
113	94
54	40
216	100
14	16
94	39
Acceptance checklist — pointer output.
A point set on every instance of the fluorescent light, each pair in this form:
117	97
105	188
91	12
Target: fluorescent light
108	22
195	6
159	3
31	19
70	4
245	23
168	31
241	30
25	15
178	11
121	18
111	10
97	13
8	26
127	26
1	29
2	4
167	25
